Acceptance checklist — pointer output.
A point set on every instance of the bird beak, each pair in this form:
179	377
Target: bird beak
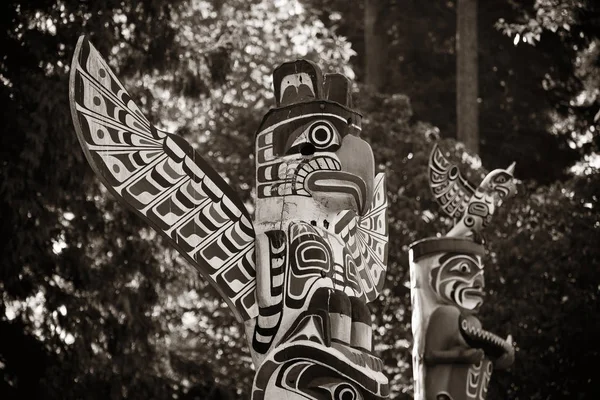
511	168
356	158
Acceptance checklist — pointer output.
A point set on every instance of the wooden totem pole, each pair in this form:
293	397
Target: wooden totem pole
453	357
298	276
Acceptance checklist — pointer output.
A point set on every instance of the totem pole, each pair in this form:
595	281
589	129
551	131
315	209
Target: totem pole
453	357
298	276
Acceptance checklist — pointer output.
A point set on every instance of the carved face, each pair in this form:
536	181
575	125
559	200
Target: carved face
309	145
459	280
314	153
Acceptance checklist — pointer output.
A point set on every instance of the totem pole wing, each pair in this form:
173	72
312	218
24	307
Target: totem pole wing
367	241
372	234
164	180
450	189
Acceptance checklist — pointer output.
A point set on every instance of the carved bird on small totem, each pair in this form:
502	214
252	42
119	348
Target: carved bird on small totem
473	207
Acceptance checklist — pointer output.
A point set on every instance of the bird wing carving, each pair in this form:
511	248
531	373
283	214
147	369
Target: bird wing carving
164	180
366	238
450	189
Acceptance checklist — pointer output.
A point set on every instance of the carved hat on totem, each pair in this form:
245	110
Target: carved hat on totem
301	87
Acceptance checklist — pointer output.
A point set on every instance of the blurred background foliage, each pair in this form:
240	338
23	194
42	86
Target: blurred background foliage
94	306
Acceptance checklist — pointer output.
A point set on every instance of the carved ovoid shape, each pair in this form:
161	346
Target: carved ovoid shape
453	357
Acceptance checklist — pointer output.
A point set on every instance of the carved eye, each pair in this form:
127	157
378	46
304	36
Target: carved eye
322	135
463	268
453	173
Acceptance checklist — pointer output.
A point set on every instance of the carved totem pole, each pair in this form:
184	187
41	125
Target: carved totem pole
298	276
453	357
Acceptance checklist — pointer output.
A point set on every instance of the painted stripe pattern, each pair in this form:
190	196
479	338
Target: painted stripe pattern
164	180
366	240
269	318
448	186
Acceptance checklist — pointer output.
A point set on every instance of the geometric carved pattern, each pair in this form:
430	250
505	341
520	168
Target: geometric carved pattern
366	238
162	178
449	188
472	208
310	371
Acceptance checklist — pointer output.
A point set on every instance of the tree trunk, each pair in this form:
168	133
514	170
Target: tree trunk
375	44
467	115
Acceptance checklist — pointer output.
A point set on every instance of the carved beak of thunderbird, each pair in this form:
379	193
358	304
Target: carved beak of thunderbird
511	168
355	178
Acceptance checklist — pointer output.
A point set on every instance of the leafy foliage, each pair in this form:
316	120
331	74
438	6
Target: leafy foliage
543	289
525	90
79	277
94	306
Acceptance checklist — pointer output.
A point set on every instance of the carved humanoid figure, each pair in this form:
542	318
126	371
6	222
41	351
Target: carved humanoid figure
453	357
298	276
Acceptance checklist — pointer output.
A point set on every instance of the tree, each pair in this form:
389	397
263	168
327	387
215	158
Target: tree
375	44
542	242
538	251
79	280
522	88
467	78
542	290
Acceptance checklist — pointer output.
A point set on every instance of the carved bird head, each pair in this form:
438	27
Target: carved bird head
500	182
458	280
308	149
